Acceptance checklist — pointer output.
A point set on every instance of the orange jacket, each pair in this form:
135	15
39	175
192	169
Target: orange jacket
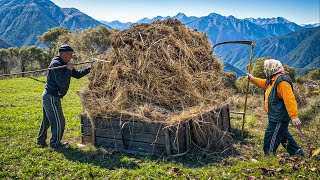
284	91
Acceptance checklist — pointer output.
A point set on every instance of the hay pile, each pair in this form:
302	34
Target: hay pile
160	72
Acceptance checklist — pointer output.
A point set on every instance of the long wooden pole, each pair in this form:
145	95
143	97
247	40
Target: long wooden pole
251	43
53	68
247	90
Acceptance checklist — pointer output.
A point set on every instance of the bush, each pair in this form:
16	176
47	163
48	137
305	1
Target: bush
308	114
90	42
312	75
241	86
230	79
290	71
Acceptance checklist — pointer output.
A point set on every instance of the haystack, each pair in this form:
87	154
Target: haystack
162	72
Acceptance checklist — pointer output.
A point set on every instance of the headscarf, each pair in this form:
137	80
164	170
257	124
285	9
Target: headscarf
271	68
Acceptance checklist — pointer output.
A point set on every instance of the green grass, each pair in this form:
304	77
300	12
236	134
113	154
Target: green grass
20	117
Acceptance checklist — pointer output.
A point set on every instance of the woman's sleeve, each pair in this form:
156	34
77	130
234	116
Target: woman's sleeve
260	82
285	92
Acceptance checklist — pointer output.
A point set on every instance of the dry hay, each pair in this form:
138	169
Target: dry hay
161	72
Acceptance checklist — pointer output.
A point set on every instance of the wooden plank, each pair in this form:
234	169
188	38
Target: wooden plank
188	135
86	131
226	118
107	123
140	137
129	124
85	120
109	133
100	123
167	141
93	133
138	127
145	138
218	117
153	149
86	139
111	143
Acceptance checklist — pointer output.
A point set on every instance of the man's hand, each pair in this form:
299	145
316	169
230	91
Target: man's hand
296	122
250	76
70	66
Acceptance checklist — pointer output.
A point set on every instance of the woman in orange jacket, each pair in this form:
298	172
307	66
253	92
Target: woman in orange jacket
281	106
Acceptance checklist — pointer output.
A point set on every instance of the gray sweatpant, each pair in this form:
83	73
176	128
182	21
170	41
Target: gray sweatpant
52	116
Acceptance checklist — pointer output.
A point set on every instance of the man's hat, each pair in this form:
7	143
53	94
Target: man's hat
65	48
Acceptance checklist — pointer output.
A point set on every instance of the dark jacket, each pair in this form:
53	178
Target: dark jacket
277	109
58	80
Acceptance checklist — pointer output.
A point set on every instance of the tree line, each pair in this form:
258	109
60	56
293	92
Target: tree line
87	43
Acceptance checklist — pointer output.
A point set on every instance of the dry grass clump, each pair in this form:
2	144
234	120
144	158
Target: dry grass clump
160	72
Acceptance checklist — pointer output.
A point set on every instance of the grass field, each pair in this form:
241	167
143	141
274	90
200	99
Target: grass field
20	157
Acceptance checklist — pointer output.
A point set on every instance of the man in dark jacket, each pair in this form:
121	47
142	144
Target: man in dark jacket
57	85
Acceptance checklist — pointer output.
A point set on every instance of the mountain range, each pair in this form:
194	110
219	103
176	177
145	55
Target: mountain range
121	26
23	20
225	28
298	49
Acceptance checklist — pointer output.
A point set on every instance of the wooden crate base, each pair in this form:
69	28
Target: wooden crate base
132	136
127	134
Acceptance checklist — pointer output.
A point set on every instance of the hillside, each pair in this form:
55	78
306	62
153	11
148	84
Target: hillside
75	19
279	29
298	49
306	54
24	20
3	44
230	68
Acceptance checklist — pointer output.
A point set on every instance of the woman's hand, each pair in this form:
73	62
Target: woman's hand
250	76
296	122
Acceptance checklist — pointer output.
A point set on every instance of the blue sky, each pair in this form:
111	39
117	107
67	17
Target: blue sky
298	11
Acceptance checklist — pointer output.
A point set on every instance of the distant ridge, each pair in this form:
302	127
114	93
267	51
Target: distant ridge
263	21
23	20
297	49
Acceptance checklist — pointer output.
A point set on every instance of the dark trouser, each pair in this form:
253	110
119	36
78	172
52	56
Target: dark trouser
276	133
52	115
